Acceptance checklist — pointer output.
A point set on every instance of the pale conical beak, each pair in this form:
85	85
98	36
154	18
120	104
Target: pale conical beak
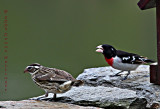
25	70
99	49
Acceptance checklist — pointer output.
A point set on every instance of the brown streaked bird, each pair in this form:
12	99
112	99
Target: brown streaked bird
52	80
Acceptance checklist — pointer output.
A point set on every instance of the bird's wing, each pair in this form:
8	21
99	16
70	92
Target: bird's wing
131	58
64	74
53	75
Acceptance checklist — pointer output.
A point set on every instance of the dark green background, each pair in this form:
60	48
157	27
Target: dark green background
64	33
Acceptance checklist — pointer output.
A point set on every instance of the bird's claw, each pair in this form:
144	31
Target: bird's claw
48	99
119	75
114	75
40	99
125	78
51	99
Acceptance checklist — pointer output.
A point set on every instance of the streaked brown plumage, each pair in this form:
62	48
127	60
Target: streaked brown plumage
52	80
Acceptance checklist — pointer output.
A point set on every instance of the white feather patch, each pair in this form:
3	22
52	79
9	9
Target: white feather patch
65	85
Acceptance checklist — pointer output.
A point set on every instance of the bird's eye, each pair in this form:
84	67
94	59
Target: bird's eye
29	68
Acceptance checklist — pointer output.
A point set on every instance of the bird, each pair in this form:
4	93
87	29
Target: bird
51	80
121	60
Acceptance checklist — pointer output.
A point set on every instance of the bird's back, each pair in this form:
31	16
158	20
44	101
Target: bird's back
132	58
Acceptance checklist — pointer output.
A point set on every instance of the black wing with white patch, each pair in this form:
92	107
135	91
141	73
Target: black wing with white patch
131	58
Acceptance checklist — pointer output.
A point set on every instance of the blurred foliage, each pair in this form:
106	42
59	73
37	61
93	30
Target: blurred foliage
64	33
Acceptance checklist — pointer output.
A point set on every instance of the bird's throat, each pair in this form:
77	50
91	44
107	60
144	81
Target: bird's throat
109	61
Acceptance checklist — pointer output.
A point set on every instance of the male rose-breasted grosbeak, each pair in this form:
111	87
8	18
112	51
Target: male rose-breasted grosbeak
121	60
52	80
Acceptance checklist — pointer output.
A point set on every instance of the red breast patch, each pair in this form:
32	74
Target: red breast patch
109	61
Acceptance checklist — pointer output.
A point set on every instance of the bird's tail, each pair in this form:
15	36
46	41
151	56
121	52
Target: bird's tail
149	61
78	83
144	60
65	85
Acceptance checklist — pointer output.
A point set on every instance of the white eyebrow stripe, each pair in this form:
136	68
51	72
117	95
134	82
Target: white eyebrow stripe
33	66
29	66
36	67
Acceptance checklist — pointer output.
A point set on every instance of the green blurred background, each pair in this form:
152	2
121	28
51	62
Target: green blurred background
64	33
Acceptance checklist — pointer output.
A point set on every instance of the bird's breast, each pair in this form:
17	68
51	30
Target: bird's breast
109	61
118	64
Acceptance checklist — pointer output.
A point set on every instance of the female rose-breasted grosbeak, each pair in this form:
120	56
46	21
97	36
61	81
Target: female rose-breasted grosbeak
121	60
52	80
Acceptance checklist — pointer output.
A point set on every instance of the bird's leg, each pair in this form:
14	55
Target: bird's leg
117	74
127	75
53	99
46	95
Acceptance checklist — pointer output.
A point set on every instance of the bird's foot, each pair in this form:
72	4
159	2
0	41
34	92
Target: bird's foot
50	99
45	99
124	78
114	75
117	74
42	98
39	98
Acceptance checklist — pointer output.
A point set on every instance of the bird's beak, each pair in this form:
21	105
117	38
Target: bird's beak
25	70
99	49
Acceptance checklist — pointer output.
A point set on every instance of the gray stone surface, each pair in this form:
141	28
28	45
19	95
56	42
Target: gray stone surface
101	90
137	81
32	104
104	93
104	97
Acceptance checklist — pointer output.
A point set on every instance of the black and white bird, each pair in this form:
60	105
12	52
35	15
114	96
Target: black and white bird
52	80
122	60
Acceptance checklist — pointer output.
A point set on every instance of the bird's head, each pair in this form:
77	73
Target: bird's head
107	50
32	68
